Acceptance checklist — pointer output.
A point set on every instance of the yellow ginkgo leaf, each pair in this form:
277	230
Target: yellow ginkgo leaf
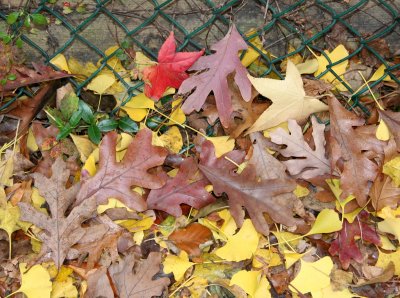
301	191
177	116
84	145
138	106
90	164
382	132
392	169
289	100
31	141
113	62
234	250
386	244
6	170
35	282
328	292
102	82
313	277
339	53
222	144
327	221
379	73
291	257
251	54
307	67
286	238
142	61
63	285
391	226
266	257
252	282
60	62
172	139
384	259
177	265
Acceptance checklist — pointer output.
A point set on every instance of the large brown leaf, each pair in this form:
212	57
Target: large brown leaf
384	193
256	195
306	163
135	279
186	187
116	179
392	119
60	231
351	151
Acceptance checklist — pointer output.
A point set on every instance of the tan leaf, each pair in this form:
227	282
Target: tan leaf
306	163
384	193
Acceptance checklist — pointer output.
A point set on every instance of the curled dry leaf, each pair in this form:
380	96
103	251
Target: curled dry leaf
187	187
351	149
116	179
306	163
257	196
384	193
189	238
60	231
392	119
135	279
215	69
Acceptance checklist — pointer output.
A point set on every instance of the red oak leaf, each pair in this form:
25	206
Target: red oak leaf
186	187
170	69
345	244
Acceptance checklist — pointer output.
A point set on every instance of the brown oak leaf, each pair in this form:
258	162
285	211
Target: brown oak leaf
256	195
189	238
392	119
116	179
384	193
186	187
60	231
135	279
351	152
306	163
98	284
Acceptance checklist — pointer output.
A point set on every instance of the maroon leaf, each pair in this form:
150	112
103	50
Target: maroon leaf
345	244
186	187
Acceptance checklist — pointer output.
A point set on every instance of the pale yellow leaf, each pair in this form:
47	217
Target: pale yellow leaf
252	282
172	139
222	144
307	67
327	221
266	257
60	62
63	285
301	191
291	257
337	54
102	82
289	100
84	145
392	169
313	277
391	226
234	250
177	265
384	259
31	141
382	132
6	171
379	73
35	283
177	116
328	292
138	106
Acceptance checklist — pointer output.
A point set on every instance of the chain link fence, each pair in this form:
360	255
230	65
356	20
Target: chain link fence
84	29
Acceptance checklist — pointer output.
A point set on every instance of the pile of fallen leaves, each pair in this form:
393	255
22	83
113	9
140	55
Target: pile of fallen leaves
214	182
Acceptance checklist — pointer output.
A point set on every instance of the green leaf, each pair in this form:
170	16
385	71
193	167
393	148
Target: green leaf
87	114
54	117
69	104
64	132
3	81
19	43
128	125
27	22
39	19
75	118
94	133
126	43
153	122
11	77
7	39
12	17
107	125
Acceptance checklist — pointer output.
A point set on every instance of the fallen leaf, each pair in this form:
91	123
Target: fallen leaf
63	285
172	139
190	237
187	187
391	223
170	70
35	282
392	169
306	163
252	282
384	193
135	278
115	179
234	250
60	231
84	146
382	131
320	272
289	100
177	265
214	77
327	221
384	259
339	53
345	244
222	144
392	120
98	283
349	148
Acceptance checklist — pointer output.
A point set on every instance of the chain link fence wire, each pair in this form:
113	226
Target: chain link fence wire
362	26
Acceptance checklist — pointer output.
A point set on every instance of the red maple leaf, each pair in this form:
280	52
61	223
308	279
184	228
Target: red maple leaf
170	70
345	244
